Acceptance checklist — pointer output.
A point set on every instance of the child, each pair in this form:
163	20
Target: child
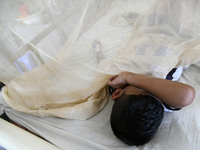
139	107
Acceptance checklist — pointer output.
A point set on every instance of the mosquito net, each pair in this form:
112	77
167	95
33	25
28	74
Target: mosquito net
57	55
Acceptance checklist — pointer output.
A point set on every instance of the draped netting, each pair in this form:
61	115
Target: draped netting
56	56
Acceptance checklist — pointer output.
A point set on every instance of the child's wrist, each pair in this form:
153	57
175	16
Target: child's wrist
128	76
134	79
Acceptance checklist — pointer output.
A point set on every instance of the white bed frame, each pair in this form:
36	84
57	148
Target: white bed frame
14	138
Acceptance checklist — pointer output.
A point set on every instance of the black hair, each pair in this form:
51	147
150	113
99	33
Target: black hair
1	85
135	118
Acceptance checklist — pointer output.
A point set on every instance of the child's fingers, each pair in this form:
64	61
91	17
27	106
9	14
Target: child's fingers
110	83
113	77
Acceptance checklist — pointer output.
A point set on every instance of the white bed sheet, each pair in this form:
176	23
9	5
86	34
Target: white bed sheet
179	130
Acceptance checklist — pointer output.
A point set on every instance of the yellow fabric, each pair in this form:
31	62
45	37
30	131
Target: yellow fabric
81	109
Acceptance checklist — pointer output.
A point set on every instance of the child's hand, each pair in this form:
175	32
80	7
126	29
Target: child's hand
118	81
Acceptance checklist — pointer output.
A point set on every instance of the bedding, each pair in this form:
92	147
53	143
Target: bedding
179	130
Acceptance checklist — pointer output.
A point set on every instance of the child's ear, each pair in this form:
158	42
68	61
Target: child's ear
116	94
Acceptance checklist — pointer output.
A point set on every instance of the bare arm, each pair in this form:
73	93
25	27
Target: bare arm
173	93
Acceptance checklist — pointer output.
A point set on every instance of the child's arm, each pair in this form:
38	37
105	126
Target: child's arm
173	93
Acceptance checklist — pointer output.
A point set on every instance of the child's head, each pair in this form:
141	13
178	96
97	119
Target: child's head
136	118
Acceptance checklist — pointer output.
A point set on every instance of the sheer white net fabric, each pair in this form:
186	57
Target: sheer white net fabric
57	58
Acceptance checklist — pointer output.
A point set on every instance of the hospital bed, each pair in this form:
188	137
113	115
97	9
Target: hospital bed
178	130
